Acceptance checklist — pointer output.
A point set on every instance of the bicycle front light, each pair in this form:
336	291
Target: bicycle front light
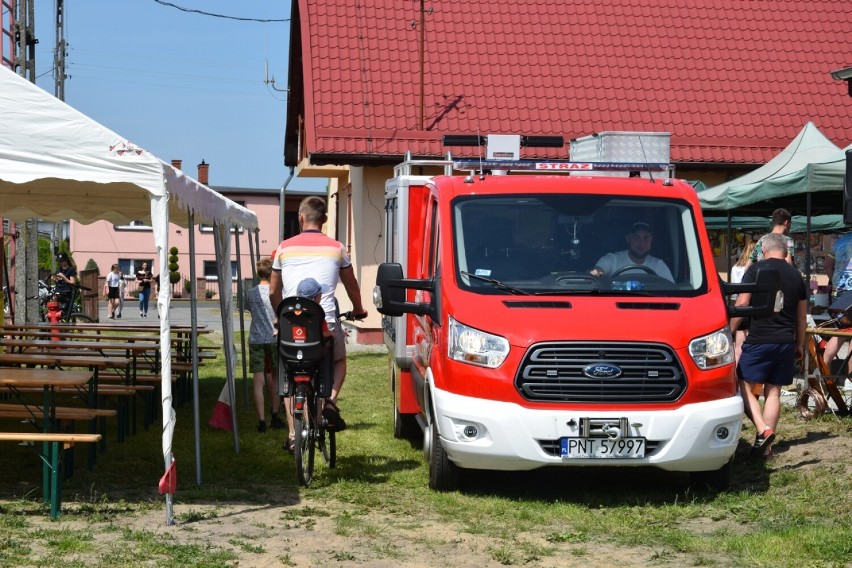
476	347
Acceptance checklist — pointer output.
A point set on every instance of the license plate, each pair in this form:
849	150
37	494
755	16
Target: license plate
603	448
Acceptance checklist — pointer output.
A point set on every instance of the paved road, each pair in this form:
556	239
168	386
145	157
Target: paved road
208	314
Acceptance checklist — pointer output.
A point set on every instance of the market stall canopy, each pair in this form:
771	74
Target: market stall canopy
819	223
57	163
809	164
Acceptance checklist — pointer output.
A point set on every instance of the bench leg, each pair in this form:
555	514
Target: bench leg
55	487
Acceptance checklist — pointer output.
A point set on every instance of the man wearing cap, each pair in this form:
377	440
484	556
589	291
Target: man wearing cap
64	279
315	255
639	240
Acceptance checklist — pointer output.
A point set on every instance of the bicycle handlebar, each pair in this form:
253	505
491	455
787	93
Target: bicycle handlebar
352	316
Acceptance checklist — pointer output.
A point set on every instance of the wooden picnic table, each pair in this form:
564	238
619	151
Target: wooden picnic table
47	379
130	328
94	362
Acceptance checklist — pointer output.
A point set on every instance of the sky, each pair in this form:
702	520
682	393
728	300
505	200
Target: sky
181	84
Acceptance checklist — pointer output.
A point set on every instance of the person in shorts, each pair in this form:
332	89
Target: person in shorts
112	288
773	345
263	359
316	255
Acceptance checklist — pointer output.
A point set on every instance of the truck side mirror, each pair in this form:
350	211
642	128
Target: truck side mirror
764	291
390	292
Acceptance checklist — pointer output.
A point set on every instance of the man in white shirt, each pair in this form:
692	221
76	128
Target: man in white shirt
639	240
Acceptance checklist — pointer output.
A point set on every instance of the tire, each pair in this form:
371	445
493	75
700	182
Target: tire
443	474
305	447
715	480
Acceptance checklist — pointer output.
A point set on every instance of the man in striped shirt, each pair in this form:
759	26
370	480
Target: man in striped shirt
312	254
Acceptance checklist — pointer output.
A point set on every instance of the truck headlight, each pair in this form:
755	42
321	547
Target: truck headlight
713	350
476	347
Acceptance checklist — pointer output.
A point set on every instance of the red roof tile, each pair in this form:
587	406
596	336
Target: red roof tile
732	81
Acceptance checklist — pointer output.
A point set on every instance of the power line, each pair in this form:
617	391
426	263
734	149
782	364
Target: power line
203	13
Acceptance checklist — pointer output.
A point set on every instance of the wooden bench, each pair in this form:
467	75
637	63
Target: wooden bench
56	444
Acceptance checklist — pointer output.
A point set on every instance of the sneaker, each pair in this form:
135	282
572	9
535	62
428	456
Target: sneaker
762	441
117	316
112	317
276	422
141	315
261	427
334	421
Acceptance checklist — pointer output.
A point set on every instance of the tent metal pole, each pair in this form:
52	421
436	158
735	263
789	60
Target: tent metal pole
241	307
252	259
193	347
228	340
808	245
729	244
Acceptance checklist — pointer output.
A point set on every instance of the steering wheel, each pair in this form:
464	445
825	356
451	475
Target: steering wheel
624	269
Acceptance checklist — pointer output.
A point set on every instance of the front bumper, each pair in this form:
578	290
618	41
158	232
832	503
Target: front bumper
488	434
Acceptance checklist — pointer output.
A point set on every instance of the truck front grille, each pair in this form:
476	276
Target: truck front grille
558	372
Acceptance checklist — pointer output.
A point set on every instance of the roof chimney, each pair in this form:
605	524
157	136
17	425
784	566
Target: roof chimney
203	172
176	164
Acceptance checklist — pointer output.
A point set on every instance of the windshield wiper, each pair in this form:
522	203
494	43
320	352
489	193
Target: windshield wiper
497	284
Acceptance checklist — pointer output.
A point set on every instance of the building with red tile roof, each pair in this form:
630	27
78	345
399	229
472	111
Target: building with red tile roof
733	81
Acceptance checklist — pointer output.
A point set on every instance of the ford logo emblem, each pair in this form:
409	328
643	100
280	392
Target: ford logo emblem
601	371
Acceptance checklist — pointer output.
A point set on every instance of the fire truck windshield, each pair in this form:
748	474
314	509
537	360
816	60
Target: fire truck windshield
576	244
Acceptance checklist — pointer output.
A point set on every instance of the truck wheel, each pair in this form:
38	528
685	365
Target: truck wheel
404	425
716	480
443	474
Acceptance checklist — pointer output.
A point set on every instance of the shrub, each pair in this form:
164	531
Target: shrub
174	275
92	265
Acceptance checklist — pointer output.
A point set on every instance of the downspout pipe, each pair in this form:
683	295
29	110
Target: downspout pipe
281	207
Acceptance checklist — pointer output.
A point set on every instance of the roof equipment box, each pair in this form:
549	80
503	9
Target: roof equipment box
622	147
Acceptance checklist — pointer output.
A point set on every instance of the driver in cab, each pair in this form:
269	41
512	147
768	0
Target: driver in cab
635	258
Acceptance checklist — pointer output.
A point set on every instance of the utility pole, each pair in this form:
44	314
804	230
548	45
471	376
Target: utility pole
59	76
59	52
26	247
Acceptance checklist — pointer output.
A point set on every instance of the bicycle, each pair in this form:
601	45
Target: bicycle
822	386
306	369
72	307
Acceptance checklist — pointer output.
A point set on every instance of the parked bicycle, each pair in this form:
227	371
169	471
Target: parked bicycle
306	365
70	305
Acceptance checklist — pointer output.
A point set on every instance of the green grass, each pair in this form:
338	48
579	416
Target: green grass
795	515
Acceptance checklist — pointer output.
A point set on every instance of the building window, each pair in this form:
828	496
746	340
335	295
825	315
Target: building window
134	226
210	269
129	266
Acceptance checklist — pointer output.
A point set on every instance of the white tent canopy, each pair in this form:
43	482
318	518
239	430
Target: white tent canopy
809	147
56	163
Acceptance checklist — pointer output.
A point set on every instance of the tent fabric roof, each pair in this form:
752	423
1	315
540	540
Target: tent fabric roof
809	146
732	81
56	163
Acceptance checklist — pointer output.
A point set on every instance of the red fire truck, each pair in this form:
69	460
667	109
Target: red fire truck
510	346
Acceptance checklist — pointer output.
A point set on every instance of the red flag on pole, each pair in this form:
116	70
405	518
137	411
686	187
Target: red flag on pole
168	483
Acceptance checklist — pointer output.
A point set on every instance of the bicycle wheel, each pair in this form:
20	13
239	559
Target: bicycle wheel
305	447
328	445
77	317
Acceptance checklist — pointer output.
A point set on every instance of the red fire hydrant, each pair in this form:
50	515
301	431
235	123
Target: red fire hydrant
54	314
